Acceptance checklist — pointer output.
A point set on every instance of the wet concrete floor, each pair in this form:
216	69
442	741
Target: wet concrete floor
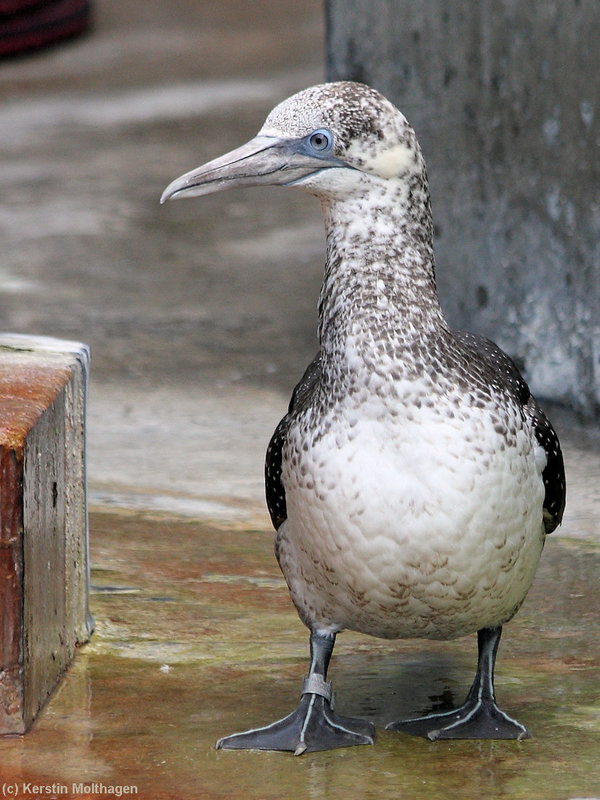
201	316
196	637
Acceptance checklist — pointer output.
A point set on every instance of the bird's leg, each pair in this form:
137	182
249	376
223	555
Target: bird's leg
479	717
313	725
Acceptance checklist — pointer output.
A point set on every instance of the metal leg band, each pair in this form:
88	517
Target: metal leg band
316	684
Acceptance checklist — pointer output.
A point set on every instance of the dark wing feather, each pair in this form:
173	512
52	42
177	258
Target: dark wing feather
554	471
553	474
273	486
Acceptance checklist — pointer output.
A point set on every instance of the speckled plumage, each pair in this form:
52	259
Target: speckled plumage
414	478
405	482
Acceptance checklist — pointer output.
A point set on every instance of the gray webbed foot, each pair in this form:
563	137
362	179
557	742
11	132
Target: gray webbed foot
479	717
313	725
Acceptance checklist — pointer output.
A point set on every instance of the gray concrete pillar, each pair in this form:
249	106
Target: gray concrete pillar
505	100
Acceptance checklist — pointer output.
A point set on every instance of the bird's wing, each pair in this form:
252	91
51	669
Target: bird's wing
553	473
273	486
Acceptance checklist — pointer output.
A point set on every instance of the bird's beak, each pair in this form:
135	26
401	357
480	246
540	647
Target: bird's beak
264	160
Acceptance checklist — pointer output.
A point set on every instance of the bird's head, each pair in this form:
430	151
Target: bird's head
330	139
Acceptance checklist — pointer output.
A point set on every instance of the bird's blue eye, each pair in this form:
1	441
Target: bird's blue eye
320	140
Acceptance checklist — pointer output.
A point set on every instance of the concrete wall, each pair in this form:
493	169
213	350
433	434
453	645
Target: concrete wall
505	99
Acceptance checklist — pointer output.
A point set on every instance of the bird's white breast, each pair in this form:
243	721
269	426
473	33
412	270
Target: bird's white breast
409	517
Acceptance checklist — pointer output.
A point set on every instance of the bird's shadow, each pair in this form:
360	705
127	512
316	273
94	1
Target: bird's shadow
387	687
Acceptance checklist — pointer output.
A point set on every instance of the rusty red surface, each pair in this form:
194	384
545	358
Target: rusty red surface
26	391
11	591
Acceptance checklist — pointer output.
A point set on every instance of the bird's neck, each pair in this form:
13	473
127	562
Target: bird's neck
379	286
